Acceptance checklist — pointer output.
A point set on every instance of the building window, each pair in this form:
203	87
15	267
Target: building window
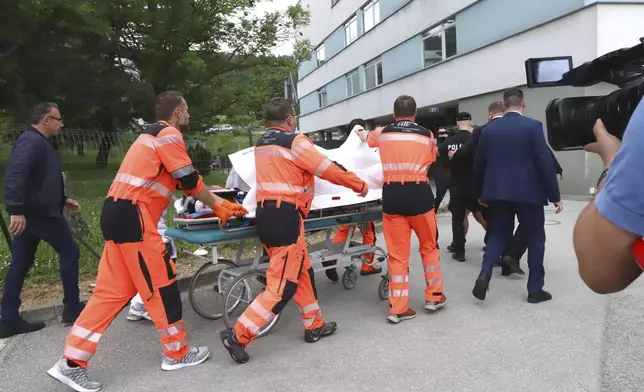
373	74
353	83
371	15
351	30
322	101
320	55
439	43
334	2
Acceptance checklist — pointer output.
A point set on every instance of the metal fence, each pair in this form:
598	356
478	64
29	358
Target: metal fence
86	149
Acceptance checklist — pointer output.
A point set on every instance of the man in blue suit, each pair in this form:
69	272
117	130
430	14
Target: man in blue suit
514	174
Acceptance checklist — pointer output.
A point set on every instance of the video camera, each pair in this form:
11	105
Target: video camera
570	121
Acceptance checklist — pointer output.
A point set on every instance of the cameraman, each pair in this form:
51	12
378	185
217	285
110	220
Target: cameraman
613	222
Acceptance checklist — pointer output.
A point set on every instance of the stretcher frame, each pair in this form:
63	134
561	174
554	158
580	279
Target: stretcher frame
347	254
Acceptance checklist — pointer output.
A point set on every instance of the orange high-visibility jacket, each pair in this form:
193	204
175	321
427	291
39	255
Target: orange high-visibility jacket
406	151
285	165
152	169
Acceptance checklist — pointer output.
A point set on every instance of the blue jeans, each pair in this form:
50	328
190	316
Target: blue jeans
56	232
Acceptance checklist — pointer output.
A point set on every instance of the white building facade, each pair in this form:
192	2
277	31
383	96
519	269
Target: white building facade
453	55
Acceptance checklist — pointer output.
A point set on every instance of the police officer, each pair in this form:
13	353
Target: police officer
461	199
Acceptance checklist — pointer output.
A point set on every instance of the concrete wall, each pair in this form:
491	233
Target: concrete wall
413	18
403	60
503	18
334	43
388	7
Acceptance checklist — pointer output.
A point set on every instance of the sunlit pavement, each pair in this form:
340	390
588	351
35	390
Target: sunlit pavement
579	341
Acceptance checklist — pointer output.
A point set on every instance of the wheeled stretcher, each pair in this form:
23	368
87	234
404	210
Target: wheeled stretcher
227	284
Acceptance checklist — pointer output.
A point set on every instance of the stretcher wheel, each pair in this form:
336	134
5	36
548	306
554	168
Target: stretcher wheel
383	288
241	293
205	294
350	277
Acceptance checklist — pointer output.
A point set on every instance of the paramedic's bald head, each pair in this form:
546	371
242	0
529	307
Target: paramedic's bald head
281	112
405	107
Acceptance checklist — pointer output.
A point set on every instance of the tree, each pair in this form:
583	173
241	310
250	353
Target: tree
104	61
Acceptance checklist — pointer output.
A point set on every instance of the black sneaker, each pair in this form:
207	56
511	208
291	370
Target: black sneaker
313	335
236	350
18	327
71	312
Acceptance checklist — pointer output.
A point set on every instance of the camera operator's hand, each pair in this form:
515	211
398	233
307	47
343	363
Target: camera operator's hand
606	145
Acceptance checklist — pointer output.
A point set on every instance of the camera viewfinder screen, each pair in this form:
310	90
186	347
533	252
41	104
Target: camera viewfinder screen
549	71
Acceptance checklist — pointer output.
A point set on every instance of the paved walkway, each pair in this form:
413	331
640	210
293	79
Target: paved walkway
579	341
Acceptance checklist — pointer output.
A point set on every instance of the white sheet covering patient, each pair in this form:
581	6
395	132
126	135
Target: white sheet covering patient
354	155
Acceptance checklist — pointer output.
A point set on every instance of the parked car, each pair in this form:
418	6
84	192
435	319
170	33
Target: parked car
220	128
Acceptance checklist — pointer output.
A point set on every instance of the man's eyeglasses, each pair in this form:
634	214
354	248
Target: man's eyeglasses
56	118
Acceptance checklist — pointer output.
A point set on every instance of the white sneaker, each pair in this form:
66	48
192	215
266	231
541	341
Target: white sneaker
137	313
433	306
76	378
195	356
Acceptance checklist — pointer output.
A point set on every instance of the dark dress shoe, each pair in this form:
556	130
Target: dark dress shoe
458	256
71	312
17	327
505	271
512	265
540	296
481	287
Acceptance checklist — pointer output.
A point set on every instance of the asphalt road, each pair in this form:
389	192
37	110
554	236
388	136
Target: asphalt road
579	341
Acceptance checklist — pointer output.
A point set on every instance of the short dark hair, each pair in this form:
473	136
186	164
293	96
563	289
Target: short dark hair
405	106
495	107
357	121
166	103
278	110
39	111
512	97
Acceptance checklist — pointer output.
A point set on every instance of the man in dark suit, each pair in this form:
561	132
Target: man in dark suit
519	243
514	174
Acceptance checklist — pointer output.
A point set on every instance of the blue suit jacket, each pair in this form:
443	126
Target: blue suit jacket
513	163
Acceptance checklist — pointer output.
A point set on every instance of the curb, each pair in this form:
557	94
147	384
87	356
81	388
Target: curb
50	313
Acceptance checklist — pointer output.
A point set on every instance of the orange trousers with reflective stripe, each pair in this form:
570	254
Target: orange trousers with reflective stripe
125	270
397	231
289	275
368	238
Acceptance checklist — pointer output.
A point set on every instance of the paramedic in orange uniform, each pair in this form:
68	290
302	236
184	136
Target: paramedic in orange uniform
368	233
135	258
285	165
406	151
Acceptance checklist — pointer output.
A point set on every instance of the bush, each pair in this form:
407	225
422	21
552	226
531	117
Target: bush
200	156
